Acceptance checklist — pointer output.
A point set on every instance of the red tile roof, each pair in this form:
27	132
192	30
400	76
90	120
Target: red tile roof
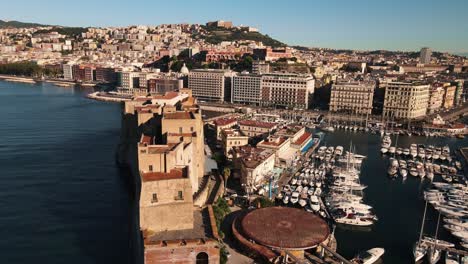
303	138
224	121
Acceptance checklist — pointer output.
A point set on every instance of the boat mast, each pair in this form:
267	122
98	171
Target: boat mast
437	228
422	223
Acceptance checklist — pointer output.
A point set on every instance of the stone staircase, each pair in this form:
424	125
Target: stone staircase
200	196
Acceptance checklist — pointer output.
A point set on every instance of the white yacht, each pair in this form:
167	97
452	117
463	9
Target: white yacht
294	197
403	172
419	251
414	150
420	248
339	151
433	255
406	151
386	142
369	257
302	202
354	220
413	171
399	151
314	203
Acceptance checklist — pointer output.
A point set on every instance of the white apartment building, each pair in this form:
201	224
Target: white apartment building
286	89
247	89
289	90
259	67
352	97
406	100
129	83
436	99
67	71
425	55
208	84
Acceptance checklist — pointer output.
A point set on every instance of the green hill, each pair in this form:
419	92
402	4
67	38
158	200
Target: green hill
68	31
17	24
216	35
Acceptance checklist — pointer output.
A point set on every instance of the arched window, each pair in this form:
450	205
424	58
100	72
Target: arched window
202	258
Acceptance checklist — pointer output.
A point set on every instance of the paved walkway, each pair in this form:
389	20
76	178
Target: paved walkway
236	257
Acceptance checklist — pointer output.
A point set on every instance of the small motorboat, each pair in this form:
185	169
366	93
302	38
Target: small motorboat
314	203
302	202
406	151
452	258
399	151
403	172
294	197
419	251
433	255
369	257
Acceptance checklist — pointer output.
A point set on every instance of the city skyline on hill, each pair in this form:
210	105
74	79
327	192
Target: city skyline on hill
361	25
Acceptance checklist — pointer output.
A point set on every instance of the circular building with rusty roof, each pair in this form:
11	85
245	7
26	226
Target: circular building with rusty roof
284	228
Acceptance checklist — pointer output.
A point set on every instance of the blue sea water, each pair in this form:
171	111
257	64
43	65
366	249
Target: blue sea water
62	198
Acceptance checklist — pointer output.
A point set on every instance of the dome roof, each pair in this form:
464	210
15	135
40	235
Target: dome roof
184	69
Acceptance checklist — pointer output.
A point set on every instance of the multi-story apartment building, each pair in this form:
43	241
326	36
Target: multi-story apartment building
260	67
223	123
129	83
232	138
436	98
208	84
269	54
247	89
254	165
68	71
78	72
352	97
163	84
425	56
288	90
449	96
279	89
253	128
458	91
106	74
89	73
406	100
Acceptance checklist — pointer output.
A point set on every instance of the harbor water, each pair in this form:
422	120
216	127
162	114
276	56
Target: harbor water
62	198
398	204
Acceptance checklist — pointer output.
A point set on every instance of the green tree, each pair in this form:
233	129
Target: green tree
226	173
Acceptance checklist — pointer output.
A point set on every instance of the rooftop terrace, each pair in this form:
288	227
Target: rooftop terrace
177	173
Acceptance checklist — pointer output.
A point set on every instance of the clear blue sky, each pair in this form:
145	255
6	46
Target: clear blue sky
352	24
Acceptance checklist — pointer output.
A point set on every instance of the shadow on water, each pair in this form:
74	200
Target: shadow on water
100	201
